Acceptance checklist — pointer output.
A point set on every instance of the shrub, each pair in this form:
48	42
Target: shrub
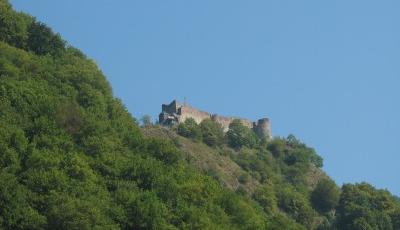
190	129
265	196
42	40
239	135
213	134
296	205
325	196
361	206
277	147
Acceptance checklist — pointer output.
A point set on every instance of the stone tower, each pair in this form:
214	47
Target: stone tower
263	128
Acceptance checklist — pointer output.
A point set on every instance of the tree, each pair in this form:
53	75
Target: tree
13	26
361	206
325	196
277	147
265	196
239	135
69	117
298	152
190	129
213	134
296	205
395	216
16	210
42	40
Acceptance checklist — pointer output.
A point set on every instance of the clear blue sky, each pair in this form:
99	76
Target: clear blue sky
326	71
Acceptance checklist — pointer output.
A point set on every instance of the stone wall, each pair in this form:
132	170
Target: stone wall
186	112
226	121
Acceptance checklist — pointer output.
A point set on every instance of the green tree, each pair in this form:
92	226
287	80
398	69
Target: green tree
190	129
239	135
69	117
42	40
213	134
265	196
325	196
361	206
277	147
13	26
296	205
395	216
16	210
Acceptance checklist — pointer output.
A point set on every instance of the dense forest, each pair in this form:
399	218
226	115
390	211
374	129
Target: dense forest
72	157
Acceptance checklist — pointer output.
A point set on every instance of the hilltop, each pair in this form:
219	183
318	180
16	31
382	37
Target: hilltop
73	157
175	113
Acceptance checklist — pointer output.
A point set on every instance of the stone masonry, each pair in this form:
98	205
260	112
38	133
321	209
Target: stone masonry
175	113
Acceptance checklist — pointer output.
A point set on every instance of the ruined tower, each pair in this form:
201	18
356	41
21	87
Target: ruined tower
263	128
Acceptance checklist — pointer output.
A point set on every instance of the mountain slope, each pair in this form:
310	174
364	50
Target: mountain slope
218	162
204	158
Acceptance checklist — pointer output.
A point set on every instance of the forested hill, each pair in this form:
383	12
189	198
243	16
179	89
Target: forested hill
72	157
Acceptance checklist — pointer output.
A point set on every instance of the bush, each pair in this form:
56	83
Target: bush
244	178
265	196
325	196
69	117
213	134
296	205
361	206
277	147
13	26
190	129
43	41
239	135
163	150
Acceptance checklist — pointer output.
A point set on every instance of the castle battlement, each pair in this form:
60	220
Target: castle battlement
175	113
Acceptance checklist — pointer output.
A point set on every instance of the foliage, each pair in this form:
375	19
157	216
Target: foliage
299	152
325	196
277	147
213	134
13	26
296	205
42	40
190	129
24	32
361	206
239	135
266	197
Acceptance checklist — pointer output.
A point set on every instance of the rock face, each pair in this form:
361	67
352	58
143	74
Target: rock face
175	113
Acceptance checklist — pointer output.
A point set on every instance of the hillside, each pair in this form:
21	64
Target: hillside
217	162
73	157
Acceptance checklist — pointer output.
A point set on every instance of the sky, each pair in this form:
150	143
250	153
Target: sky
326	71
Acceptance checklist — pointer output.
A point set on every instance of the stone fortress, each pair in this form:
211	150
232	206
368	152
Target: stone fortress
175	113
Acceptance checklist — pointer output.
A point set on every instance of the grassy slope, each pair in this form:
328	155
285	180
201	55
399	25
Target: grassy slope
220	166
203	157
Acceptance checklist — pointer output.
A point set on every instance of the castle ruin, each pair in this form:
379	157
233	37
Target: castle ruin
175	113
